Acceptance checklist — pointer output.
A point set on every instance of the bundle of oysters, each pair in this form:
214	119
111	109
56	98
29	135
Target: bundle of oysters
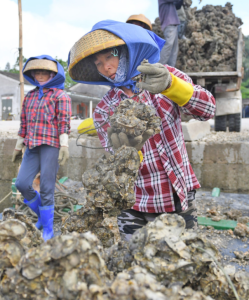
134	118
109	186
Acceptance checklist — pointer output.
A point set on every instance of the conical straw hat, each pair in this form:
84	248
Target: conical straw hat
80	67
140	18
41	64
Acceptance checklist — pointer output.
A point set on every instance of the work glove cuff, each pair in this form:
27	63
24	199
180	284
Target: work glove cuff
64	140
19	143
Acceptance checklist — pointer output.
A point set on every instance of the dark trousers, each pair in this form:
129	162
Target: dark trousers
130	220
42	159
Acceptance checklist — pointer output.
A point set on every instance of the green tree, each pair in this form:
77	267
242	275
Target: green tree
7	67
68	82
15	68
245	83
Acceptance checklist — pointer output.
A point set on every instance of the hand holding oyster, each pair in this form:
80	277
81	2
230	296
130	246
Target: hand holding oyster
132	124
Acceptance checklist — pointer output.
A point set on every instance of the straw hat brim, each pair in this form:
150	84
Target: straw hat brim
140	18
41	64
81	67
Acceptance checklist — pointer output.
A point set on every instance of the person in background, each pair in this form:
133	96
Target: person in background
247	111
183	22
44	129
140	20
169	24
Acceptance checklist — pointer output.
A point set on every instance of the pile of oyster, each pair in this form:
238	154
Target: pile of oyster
211	43
165	249
109	187
177	257
65	267
134	118
162	261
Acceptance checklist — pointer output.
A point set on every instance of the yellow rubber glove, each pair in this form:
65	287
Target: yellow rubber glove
141	156
86	125
179	91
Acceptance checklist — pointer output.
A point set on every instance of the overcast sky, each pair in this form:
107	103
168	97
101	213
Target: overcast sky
53	26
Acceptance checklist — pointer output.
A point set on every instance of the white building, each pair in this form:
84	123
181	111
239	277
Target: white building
10	95
85	97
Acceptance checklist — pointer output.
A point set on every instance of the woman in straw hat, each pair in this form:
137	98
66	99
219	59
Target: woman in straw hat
140	20
112	54
44	129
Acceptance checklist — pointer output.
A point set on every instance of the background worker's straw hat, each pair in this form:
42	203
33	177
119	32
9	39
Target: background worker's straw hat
80	66
140	18
41	64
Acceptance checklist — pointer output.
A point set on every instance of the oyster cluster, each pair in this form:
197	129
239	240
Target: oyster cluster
66	267
33	237
211	43
215	284
138	283
12	244
165	249
134	118
109	187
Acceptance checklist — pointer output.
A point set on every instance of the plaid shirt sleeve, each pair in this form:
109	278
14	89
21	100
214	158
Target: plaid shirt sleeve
202	103
23	124
100	117
63	112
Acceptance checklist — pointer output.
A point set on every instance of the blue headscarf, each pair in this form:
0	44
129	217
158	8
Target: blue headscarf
56	82
141	44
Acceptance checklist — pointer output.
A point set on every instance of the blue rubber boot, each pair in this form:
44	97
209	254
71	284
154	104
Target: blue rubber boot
47	220
34	205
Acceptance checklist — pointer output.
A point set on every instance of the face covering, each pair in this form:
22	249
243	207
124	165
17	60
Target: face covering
52	74
122	67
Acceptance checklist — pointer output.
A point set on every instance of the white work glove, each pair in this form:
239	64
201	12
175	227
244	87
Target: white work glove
18	148
63	153
156	77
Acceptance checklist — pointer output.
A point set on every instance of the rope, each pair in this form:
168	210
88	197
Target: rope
5	197
220	266
61	201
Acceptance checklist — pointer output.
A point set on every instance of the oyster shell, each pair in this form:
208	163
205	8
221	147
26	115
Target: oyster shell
165	249
138	283
33	236
118	257
12	229
64	267
134	118
12	232
215	284
109	186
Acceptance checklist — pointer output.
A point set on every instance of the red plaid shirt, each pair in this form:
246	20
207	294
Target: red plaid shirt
44	120
166	164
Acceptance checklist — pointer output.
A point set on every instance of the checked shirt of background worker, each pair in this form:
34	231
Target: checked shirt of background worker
44	120
166	161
